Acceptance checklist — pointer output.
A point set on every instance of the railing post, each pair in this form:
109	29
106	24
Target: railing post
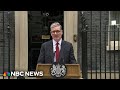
3	44
84	45
8	32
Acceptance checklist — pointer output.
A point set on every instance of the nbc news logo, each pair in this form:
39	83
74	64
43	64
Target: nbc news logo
21	73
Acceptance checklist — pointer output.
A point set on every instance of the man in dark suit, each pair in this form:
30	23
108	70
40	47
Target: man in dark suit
56	50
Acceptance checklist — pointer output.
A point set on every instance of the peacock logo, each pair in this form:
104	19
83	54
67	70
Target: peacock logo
6	74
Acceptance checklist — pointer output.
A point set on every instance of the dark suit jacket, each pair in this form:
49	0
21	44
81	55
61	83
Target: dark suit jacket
66	53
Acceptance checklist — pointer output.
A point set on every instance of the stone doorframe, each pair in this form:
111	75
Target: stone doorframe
21	36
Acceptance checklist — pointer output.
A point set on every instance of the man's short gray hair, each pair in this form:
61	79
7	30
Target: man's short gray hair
55	24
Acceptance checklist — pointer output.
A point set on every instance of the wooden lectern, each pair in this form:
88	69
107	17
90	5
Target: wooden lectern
73	71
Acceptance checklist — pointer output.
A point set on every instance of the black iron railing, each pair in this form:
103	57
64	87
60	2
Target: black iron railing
100	48
5	42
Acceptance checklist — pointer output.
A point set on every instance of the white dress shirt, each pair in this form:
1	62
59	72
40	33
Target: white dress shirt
54	48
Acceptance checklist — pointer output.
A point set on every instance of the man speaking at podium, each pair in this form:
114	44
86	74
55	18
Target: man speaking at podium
56	50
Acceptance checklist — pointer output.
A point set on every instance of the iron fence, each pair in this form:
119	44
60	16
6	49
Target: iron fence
100	50
4	43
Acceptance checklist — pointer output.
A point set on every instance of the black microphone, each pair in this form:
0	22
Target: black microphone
62	60
54	53
54	56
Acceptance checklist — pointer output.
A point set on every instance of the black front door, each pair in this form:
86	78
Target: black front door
39	32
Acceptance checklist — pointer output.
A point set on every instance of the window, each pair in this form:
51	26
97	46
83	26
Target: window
114	30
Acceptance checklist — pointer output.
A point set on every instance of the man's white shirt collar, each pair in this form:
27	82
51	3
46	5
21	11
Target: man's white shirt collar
54	44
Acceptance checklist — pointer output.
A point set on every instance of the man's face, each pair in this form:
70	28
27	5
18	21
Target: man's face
56	33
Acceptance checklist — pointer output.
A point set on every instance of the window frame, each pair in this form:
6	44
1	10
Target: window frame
110	45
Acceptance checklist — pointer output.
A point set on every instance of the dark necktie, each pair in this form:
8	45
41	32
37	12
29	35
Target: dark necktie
57	52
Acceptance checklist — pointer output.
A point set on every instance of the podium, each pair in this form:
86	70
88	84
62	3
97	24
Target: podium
73	71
